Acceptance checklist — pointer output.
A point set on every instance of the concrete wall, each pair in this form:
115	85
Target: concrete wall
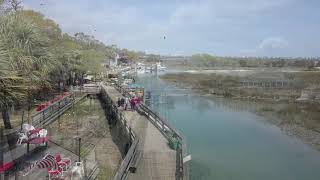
118	131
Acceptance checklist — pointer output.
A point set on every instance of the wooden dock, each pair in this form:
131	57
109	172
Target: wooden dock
156	159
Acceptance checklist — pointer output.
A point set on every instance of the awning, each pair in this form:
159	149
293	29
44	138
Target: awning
135	86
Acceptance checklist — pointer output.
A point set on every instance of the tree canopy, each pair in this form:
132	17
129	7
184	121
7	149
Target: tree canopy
35	55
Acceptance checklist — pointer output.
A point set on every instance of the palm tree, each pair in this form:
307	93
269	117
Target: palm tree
11	89
24	61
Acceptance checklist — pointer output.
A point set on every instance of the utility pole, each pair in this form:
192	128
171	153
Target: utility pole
78	138
79	160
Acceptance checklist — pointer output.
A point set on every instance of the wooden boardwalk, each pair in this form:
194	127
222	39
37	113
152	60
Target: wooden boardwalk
158	160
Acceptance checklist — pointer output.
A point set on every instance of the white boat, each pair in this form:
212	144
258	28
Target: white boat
141	71
160	67
140	68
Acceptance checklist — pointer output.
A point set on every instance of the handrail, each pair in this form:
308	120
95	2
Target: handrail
168	132
45	115
125	164
123	170
93	174
165	128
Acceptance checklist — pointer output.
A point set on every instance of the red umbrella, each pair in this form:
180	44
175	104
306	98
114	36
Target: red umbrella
48	161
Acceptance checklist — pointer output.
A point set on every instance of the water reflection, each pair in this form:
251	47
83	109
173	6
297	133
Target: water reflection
228	141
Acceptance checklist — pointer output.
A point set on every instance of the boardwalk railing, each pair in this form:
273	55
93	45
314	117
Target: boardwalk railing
48	114
132	152
86	89
169	132
131	155
56	109
94	173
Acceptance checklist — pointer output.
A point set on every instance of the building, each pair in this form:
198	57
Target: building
113	62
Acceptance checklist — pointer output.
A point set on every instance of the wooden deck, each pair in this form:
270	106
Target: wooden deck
36	155
24	159
158	161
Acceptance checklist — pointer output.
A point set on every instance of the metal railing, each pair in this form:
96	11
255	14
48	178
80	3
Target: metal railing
127	162
82	91
46	115
94	173
168	132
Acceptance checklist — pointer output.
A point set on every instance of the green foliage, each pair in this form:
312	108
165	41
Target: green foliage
131	55
207	60
36	56
153	58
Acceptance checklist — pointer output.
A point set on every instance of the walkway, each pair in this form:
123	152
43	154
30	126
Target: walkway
158	161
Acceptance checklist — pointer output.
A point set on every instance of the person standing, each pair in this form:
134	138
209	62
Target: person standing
122	102
132	103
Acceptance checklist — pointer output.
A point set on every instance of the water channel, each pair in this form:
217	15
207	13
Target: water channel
230	142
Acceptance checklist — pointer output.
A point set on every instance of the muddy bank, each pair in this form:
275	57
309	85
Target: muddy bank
294	119
262	85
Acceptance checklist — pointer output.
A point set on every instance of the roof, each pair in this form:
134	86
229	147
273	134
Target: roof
135	86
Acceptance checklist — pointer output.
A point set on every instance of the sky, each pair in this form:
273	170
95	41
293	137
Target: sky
287	28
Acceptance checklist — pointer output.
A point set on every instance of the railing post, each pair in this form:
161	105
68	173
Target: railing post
131	139
51	110
43	118
162	124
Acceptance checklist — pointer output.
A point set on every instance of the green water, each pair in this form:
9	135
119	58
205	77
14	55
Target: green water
230	142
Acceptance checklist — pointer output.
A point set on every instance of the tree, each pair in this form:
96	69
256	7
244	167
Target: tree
153	58
15	5
26	52
7	6
243	63
11	88
35	56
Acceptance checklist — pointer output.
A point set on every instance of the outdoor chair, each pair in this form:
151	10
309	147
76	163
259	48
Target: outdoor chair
55	173
63	162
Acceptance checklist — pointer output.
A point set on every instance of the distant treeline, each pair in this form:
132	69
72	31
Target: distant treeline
206	60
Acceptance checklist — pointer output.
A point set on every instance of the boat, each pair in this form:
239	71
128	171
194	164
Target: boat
140	68
160	67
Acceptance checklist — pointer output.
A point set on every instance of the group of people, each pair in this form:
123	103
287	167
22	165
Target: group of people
134	102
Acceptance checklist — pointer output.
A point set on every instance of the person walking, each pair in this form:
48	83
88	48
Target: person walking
119	102
126	103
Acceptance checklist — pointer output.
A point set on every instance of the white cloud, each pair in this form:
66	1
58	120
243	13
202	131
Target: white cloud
270	46
273	43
